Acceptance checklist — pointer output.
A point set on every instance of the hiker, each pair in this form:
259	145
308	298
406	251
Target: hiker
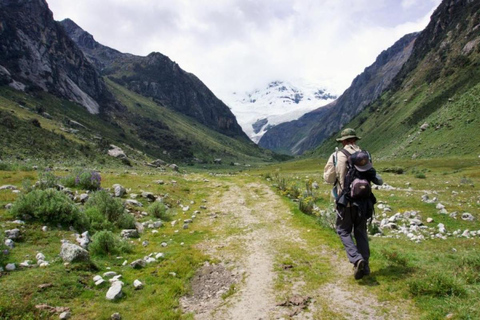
350	170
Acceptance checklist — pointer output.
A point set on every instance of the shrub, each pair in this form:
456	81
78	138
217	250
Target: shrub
159	210
105	242
328	218
46	180
97	220
306	205
49	206
88	180
110	207
3	250
126	221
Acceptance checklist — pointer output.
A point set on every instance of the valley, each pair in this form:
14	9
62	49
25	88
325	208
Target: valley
240	245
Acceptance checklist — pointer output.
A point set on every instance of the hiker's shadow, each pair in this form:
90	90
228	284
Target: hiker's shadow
393	272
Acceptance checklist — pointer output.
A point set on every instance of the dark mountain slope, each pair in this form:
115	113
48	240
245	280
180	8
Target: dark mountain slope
158	77
37	54
313	128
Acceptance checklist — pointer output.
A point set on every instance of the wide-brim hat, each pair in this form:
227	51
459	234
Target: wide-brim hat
348	133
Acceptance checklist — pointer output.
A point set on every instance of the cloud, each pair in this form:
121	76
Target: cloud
238	45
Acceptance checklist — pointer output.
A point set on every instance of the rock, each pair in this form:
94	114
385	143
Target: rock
65	315
441	228
466	234
164	244
12	234
157	224
174	167
9	243
138	264
73	253
467	216
8	206
116	152
83	197
10	267
440	206
100	282
96	278
157	163
8	187
137	284
149	260
118	190
40	256
185	226
424	126
109	274
83	240
149	196
429	220
145	243
160	255
134	203
44	228
116	316
416	222
315	185
116	278
129	233
25	264
115	291
159	182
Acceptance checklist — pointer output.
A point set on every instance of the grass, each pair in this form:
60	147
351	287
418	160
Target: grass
439	276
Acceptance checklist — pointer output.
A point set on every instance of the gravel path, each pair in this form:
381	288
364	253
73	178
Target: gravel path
249	219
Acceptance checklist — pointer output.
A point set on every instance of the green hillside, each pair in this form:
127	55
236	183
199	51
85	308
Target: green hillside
41	128
431	110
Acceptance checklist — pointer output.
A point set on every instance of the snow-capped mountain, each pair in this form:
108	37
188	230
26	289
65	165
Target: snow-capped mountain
278	102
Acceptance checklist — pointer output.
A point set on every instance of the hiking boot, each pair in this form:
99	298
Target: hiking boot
358	271
366	270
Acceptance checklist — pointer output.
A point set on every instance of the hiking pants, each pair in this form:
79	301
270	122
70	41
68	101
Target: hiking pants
352	222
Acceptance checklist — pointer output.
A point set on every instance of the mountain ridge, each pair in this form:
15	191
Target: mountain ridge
314	127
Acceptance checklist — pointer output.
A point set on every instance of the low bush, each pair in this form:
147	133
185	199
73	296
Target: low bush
4	250
98	221
126	221
106	242
46	180
111	208
49	206
306	205
159	210
88	180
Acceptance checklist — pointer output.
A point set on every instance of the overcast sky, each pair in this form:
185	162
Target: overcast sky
240	45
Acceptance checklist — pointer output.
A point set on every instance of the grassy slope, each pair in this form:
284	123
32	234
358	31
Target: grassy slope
207	144
147	131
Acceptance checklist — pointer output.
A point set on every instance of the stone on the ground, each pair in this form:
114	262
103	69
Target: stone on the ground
116	316
116	152
100	282
137	284
40	256
12	234
109	274
10	267
160	255
130	233
72	253
118	191
115	291
8	187
44	228
65	315
9	243
134	203
429	220
97	277
467	216
138	264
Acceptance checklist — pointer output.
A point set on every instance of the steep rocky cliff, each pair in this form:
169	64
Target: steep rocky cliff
314	127
37	54
160	78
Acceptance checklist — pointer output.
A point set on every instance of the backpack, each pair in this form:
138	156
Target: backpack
355	185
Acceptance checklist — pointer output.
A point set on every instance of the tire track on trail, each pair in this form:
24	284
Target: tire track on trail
249	221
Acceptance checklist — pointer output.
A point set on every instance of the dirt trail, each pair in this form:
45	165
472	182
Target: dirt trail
249	220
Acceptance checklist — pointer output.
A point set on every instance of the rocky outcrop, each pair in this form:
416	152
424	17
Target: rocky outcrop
160	78
313	128
37	54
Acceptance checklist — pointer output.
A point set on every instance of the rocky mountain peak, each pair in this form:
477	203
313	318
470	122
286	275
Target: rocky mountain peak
38	55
